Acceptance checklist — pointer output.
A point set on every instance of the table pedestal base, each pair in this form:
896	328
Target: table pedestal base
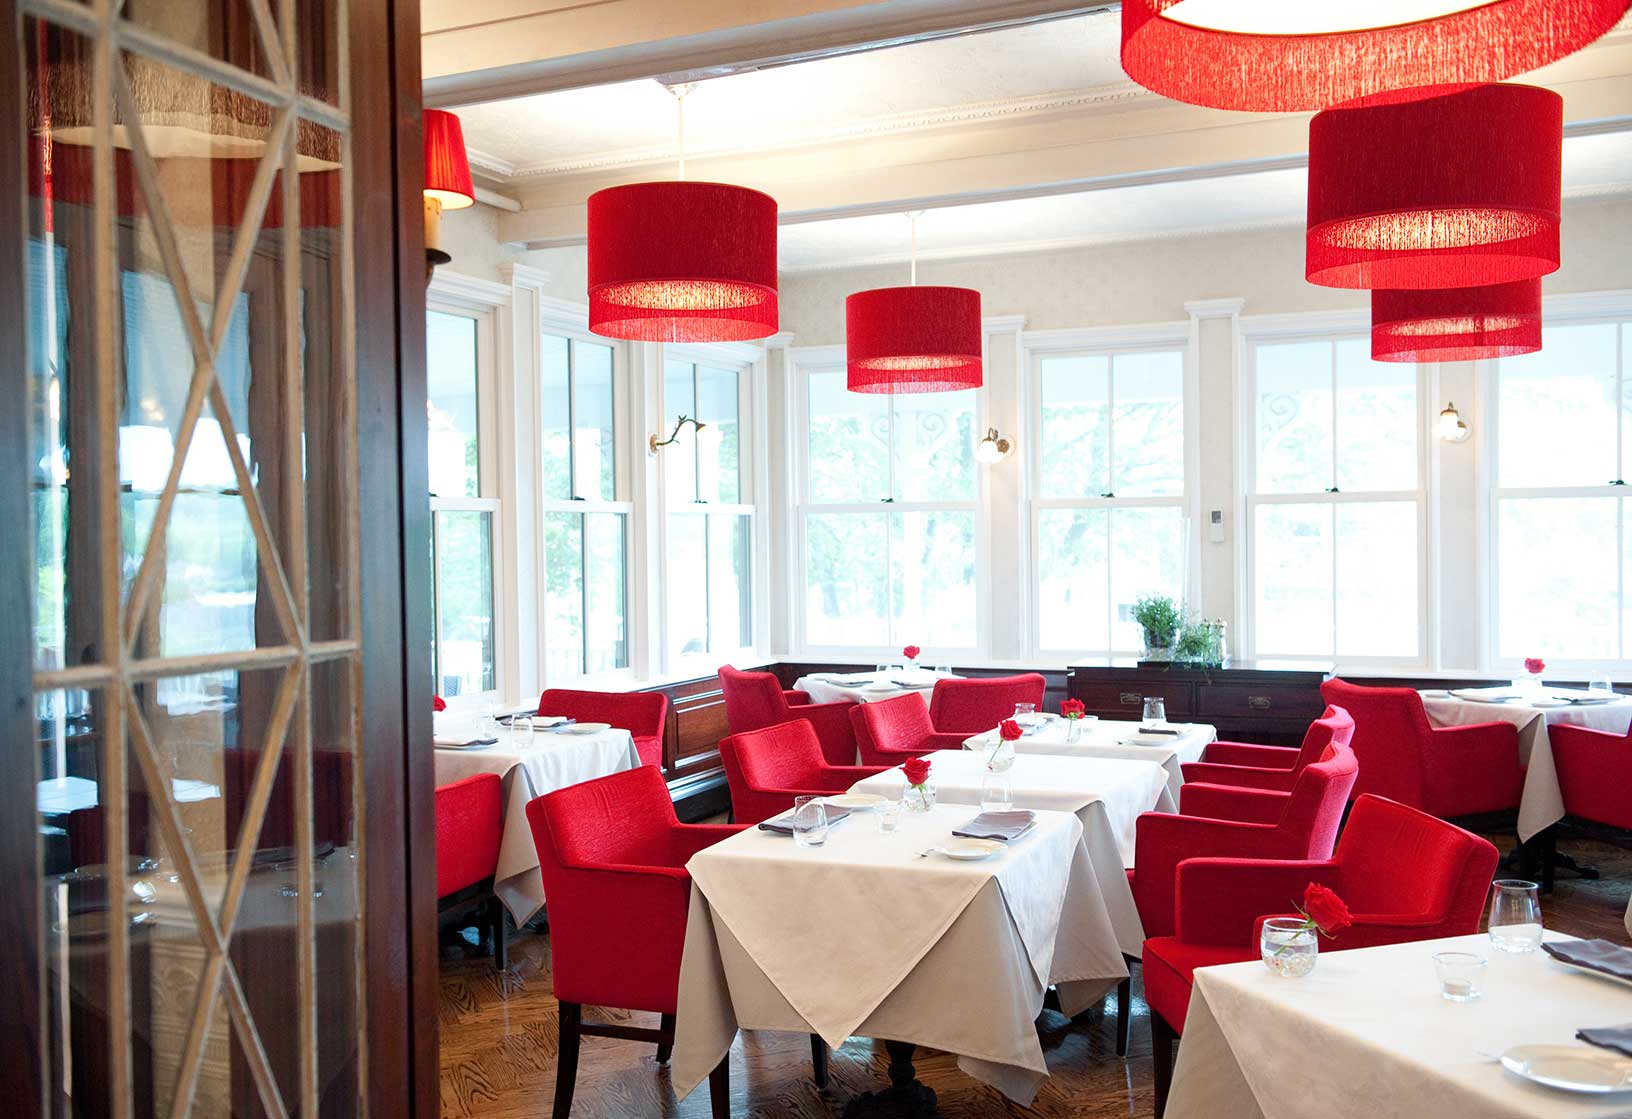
905	1098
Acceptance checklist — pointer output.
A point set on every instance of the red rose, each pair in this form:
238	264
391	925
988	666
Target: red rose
438	703
917	770
911	652
1326	909
1009	730
1073	709
1535	666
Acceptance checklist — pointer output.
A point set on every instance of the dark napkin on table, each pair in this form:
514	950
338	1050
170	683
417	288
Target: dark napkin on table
783	824
1603	956
1002	826
1618	1038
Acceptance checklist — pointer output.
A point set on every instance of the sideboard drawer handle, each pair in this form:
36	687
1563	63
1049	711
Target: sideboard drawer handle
1258	702
1133	699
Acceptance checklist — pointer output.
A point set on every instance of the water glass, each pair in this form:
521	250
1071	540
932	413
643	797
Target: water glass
995	794
488	725
521	730
943	670
1461	975
1515	915
809	821
1155	710
888	816
1026	715
1601	684
881	671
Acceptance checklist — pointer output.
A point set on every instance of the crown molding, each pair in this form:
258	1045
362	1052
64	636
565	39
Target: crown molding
1214	308
524	275
448	286
1002	324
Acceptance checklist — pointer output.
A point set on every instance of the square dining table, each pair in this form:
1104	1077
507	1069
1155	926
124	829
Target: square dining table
1368	1034
866	935
1114	738
869	686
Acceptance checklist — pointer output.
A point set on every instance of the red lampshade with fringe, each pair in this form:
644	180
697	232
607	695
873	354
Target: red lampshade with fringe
1322	53
1454	190
1456	324
682	262
913	339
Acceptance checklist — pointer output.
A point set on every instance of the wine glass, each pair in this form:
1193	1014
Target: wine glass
809	821
1515	915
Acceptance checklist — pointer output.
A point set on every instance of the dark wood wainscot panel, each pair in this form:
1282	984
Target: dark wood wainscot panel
1272	705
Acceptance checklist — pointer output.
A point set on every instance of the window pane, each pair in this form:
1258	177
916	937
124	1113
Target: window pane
1556	411
555	430
680	457
606	642
849	441
934	435
719	445
1293	571
846	588
1557	579
1294	411
1377	580
688	583
1376	421
932	557
730	583
450	370
563	595
1149	450
594	469
1147	557
1073	575
464	560
1076	429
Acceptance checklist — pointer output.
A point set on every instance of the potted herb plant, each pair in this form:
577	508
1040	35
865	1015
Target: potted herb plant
1160	618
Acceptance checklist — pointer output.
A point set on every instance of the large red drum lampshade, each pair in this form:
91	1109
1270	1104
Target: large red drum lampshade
682	262
1290	55
913	339
1454	190
1456	324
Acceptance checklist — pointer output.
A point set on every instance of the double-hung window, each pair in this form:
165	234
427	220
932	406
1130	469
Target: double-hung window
1562	578
888	518
708	508
464	511
1335	502
585	525
1110	523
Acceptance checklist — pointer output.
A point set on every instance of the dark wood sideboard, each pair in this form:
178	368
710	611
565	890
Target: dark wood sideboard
1272	704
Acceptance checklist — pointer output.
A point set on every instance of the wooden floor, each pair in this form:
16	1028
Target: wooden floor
499	1038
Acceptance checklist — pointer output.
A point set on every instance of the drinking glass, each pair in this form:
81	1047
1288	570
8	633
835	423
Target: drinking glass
995	794
1155	710
1515	915
1461	975
1601	684
943	670
1026	715
888	815
809	821
488	725
521	730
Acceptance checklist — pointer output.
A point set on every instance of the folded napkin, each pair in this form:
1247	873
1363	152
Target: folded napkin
462	743
1618	1038
783	824
1603	956
1002	826
1171	730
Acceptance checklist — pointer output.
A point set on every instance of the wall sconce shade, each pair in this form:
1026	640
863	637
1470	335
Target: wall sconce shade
993	448
447	168
1452	427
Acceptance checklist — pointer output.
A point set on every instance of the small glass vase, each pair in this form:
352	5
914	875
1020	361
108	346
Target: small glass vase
909	664
1289	947
919	798
1073	730
1158	650
998	756
1529	683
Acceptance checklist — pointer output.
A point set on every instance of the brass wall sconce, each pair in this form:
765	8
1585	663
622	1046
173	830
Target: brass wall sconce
992	449
654	442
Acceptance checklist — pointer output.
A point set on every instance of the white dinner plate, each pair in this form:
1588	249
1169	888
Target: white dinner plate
855	802
968	850
880	686
1570	1068
586	728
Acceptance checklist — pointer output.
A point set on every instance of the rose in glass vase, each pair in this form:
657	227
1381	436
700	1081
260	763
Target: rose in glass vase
1290	945
920	792
1531	680
1073	711
910	655
1000	758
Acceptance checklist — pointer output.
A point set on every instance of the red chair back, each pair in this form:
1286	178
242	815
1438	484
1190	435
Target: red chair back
752	700
760	762
1594	771
642	714
1319	796
1396	859
973	706
1334	728
1391	732
469	830
899	724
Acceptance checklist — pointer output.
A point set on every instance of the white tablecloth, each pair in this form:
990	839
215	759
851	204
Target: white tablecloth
551	761
1112	738
863	936
860	687
1367	1034
1106	795
1542	803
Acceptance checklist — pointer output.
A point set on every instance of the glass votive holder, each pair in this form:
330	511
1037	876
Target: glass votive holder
888	816
1461	975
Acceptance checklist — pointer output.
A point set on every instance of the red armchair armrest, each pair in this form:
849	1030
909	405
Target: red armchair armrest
1246	753
796	698
1226	802
1239	776
1219	901
685	840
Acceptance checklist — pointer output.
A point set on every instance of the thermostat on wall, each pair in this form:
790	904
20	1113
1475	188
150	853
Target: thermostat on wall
1215	526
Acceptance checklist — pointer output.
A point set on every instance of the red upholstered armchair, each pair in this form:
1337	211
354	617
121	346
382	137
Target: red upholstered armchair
893	730
1270	767
971	706
1404	874
755	700
767	768
469	830
642	714
1594	772
1445	771
613	857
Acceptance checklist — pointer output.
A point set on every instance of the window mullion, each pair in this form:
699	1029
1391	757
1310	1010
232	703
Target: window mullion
572	417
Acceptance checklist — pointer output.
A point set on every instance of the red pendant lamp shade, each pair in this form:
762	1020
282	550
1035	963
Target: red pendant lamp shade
913	339
682	262
1324	52
1455	190
447	170
1456	324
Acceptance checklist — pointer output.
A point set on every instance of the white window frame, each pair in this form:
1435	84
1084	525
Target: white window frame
1105	342
748	361
1330	327
803	362
1557	310
489	305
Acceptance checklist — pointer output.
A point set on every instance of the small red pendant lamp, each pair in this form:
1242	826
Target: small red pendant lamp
1456	324
1454	190
913	339
447	180
682	261
1311	54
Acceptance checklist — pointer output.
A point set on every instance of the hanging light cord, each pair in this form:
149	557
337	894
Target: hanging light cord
679	91
912	221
